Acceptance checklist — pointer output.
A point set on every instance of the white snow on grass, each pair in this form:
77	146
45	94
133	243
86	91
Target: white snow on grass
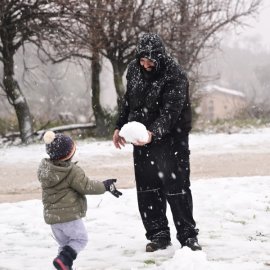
233	215
257	141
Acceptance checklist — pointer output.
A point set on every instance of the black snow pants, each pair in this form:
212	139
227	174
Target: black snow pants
162	172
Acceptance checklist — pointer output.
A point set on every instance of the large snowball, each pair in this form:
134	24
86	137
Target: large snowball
134	131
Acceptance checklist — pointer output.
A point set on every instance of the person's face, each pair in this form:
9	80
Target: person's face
147	64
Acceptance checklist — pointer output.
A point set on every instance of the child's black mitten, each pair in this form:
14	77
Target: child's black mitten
109	186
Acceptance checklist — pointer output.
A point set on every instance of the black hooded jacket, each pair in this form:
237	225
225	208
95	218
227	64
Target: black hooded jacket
158	99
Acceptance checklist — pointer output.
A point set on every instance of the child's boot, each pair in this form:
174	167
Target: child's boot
64	260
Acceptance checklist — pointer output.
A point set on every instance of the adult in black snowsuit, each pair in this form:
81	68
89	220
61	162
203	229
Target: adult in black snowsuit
157	96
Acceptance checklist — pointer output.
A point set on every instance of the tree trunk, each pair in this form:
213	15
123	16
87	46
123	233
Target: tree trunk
101	127
118	81
16	97
183	56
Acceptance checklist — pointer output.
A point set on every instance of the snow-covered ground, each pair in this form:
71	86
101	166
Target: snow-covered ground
257	140
233	215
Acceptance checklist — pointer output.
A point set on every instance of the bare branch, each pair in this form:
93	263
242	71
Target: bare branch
191	29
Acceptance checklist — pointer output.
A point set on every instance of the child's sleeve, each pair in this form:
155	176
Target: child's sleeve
83	185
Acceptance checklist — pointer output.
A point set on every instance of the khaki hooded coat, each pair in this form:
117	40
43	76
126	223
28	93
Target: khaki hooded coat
64	186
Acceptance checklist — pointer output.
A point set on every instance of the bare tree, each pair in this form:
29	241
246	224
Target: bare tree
106	28
22	22
262	75
77	42
116	26
89	29
110	27
192	29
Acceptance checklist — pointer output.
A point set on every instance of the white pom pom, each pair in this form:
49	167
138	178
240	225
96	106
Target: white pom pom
49	137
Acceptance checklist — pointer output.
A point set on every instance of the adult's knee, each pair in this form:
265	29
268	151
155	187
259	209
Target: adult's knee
178	189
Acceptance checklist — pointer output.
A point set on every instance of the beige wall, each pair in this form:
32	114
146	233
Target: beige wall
217	105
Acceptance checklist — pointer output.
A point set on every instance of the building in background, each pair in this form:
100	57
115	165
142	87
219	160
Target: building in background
220	103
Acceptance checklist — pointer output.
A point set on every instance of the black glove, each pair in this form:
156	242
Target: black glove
109	186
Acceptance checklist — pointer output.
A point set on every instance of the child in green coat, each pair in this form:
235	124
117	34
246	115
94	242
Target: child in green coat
64	186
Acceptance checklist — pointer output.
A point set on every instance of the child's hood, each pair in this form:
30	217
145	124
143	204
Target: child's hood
51	173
